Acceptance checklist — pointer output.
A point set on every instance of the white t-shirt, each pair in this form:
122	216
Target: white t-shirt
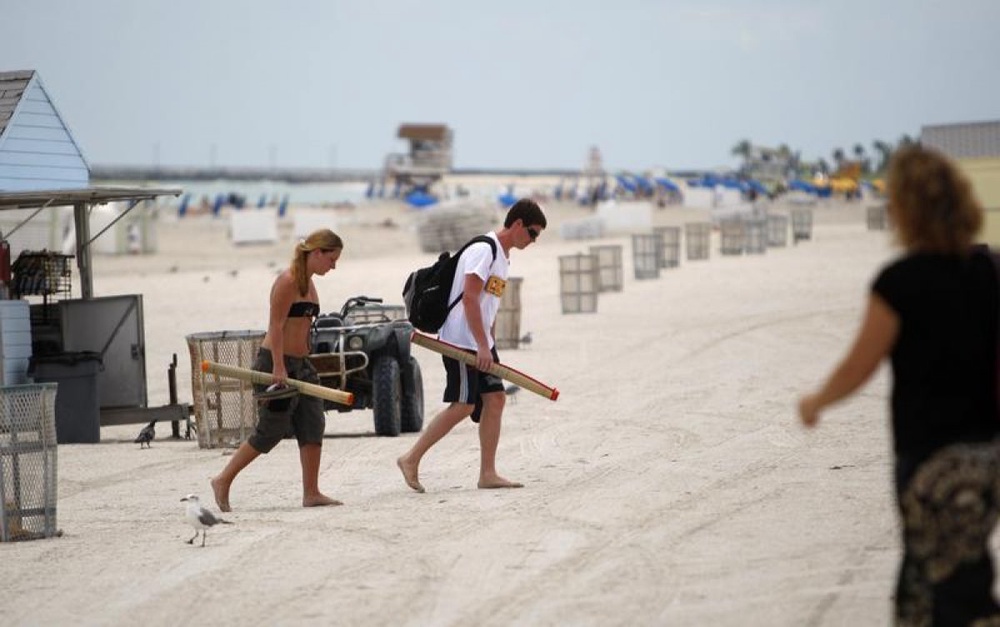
477	259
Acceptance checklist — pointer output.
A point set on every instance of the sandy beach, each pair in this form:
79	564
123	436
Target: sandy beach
670	484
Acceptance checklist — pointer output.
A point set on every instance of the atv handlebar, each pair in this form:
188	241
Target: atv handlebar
357	301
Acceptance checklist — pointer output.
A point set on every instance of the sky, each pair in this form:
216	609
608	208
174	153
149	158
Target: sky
529	84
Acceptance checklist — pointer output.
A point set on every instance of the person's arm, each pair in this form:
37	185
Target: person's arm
474	318
874	341
282	295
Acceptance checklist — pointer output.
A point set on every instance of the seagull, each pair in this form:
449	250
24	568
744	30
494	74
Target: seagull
146	435
511	391
200	518
526	338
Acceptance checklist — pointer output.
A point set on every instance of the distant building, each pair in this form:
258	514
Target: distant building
428	160
975	147
37	150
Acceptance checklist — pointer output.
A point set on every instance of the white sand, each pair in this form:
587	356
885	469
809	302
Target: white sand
670	484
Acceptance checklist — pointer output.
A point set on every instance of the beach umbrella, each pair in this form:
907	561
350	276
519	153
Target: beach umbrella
643	183
507	199
667	184
801	186
625	183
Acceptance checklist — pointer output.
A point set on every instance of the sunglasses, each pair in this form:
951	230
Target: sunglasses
533	233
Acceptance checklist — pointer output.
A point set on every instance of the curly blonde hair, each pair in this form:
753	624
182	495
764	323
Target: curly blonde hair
321	239
931	203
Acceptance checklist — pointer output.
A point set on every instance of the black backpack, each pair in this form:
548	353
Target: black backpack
426	290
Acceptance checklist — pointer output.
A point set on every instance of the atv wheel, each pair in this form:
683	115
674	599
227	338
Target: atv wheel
412	410
386	393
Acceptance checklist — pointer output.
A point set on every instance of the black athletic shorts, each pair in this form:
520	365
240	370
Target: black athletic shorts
466	384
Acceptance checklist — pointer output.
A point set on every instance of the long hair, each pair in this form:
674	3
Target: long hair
931	203
321	239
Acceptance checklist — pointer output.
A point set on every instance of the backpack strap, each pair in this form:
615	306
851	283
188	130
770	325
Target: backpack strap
474	240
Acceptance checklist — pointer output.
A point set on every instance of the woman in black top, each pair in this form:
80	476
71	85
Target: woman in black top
933	313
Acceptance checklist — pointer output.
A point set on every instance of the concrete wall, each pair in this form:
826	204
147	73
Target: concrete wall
984	173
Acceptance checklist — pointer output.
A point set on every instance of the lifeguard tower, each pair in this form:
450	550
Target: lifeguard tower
427	161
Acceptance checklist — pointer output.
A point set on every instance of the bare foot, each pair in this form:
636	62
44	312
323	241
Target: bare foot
409	474
498	482
221	492
319	500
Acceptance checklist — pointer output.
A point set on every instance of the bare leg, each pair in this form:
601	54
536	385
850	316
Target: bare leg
443	422
309	455
489	439
221	483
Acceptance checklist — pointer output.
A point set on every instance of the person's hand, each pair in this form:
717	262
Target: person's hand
809	410
280	376
484	359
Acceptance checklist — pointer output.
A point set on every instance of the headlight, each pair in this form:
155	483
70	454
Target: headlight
356	343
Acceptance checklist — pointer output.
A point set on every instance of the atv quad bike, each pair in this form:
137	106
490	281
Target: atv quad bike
365	349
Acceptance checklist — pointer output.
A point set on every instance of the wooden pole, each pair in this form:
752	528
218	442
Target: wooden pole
504	372
265	378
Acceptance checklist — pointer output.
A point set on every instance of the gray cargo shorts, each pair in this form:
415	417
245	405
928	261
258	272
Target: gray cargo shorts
302	417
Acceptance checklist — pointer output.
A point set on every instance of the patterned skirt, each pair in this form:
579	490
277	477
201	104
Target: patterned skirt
949	508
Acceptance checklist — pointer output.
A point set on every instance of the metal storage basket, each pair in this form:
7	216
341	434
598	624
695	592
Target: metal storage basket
28	462
225	412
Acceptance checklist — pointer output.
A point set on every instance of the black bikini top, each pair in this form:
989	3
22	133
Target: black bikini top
303	309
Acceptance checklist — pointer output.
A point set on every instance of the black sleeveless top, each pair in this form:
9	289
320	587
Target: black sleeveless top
303	309
944	362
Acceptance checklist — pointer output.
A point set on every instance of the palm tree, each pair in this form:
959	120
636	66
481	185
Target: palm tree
743	148
838	157
884	150
862	157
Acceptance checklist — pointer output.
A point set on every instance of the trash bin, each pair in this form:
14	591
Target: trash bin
28	462
225	411
78	411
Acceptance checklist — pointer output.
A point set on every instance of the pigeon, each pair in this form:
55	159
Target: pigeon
146	435
526	338
200	518
512	391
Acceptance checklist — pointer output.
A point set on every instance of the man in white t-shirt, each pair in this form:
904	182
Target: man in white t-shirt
480	279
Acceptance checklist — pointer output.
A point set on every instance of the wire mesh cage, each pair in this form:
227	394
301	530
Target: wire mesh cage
41	273
646	250
777	230
225	412
878	218
802	223
508	322
578	283
670	245
755	236
610	272
731	236
697	236
28	462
